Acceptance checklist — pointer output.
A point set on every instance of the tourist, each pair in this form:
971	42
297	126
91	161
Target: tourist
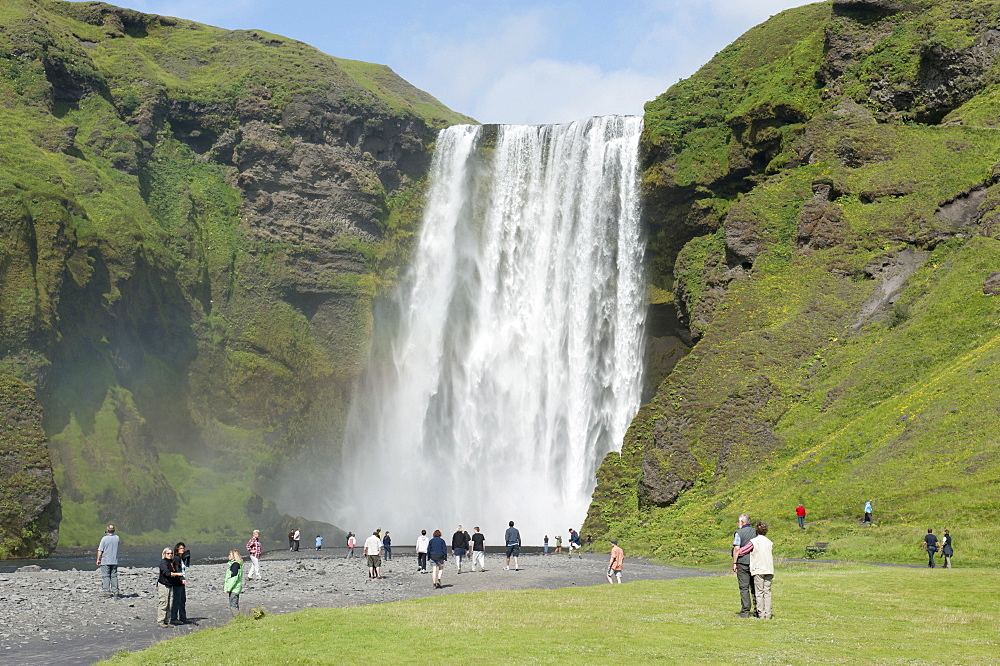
558	544
254	549
545	545
373	553
459	546
296	538
741	564
319	542
437	551
421	548
165	588
868	512
478	550
947	549
291	540
616	563
387	546
178	606
512	539
762	569
590	540
930	542
351	541
574	543
234	581
107	561
800	513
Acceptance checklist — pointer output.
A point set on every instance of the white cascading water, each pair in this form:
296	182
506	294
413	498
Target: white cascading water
518	358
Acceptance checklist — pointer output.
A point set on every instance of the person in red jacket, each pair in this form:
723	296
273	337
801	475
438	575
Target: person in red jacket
800	512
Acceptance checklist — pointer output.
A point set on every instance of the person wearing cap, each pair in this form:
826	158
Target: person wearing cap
107	561
615	565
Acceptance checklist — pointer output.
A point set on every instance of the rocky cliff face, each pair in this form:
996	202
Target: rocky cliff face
193	225
820	197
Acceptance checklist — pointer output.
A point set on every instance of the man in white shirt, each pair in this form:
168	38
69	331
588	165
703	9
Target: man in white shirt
422	542
373	551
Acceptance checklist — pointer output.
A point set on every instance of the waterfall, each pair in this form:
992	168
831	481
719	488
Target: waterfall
516	361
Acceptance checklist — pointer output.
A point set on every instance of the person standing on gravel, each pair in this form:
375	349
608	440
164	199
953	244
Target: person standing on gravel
107	561
421	548
478	550
254	548
558	544
512	539
616	563
373	552
297	538
165	588
387	546
351	541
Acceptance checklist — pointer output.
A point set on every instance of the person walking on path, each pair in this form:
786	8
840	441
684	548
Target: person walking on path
107	561
437	551
741	564
373	552
868	512
387	546
478	550
421	549
296	539
800	513
512	540
351	541
254	549
574	543
616	563
558	544
947	549
234	582
459	546
930	542
178	606
165	588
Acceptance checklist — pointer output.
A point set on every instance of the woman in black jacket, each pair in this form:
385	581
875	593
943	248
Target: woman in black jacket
178	607
165	587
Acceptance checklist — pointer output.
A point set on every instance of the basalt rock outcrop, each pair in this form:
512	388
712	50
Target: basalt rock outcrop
193	225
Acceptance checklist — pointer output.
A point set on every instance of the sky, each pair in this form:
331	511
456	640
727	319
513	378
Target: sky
506	61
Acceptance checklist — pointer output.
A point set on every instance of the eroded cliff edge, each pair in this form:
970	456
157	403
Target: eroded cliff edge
193	225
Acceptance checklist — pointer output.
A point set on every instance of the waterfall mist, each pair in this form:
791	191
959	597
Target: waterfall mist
516	361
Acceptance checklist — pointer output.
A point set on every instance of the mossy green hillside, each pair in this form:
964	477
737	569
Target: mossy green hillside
186	348
810	382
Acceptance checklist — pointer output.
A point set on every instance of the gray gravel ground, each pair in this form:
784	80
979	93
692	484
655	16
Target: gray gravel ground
59	617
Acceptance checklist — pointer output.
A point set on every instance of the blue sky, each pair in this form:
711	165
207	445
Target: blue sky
506	61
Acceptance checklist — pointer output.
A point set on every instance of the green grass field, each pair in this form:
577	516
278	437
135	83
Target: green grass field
830	614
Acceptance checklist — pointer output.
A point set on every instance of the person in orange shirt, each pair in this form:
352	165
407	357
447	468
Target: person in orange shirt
615	565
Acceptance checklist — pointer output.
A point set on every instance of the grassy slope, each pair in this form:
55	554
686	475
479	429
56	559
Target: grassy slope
829	615
263	385
902	411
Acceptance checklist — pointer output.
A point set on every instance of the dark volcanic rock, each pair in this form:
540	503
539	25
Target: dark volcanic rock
668	469
29	507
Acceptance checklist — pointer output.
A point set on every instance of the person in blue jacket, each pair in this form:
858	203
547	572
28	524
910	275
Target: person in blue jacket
437	553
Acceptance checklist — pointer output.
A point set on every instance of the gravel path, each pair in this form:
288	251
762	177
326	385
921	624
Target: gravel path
59	617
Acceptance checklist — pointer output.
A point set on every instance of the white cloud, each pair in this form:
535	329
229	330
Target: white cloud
547	91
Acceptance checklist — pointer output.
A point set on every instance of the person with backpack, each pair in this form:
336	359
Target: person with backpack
574	543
